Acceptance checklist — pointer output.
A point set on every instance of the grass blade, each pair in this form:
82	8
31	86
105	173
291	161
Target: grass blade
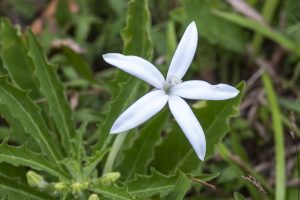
278	136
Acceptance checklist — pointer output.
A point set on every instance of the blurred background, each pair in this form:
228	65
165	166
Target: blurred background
239	41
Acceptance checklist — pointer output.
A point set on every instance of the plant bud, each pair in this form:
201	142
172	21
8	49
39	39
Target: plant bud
94	197
35	180
110	177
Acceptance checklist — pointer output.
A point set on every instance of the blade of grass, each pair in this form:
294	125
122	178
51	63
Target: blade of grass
268	12
266	31
278	136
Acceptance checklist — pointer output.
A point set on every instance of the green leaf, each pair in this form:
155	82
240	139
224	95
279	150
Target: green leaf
136	37
15	59
182	186
2	70
93	161
111	191
268	13
207	177
278	137
16	190
62	14
217	115
155	184
53	90
238	196
17	133
137	158
23	109
22	156
79	64
290	104
264	30
176	152
211	26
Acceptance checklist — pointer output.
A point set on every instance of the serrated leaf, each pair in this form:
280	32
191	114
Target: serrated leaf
21	156
23	109
136	37
217	115
176	152
111	191
16	190
92	162
181	187
79	64
17	134
213	28
53	90
137	158
13	172
156	184
15	59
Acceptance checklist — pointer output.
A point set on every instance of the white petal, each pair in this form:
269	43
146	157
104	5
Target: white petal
203	90
137	67
184	54
139	112
189	124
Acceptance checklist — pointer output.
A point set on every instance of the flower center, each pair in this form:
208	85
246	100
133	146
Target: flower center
171	82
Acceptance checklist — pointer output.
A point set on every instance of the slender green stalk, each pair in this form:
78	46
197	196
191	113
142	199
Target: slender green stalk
267	13
108	167
279	138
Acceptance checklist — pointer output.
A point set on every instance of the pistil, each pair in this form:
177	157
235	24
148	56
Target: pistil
171	82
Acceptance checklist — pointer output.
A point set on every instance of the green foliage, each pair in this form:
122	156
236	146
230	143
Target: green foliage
28	114
232	37
262	29
279	139
111	192
52	89
154	184
137	158
79	64
92	162
216	117
180	189
136	41
14	189
22	156
13	47
58	103
238	196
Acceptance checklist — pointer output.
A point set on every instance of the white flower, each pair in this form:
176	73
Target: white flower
170	91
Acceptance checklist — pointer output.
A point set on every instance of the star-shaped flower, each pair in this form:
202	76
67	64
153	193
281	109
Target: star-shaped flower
170	91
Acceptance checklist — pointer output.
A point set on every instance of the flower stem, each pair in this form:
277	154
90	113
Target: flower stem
108	167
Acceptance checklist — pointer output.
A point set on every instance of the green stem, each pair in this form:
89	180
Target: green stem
278	136
108	167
